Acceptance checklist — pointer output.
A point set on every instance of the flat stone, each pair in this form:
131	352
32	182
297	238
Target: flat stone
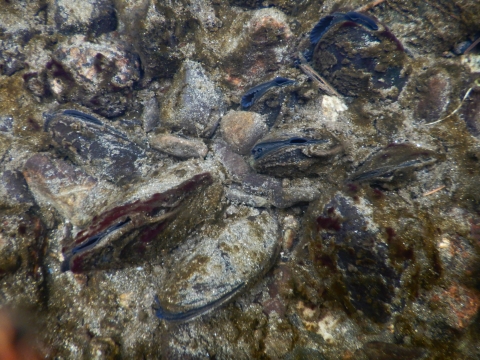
194	104
60	184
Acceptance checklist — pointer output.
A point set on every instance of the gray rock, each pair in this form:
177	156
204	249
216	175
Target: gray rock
151	114
66	187
14	191
6	124
193	104
93	17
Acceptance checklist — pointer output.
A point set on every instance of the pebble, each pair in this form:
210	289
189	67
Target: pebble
179	147
242	129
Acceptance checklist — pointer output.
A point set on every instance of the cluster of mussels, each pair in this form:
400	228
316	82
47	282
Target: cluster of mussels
211	266
325	176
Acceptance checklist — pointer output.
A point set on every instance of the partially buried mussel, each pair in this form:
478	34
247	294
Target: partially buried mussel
358	55
394	164
292	155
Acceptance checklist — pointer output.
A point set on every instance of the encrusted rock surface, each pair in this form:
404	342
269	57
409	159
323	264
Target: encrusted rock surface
145	214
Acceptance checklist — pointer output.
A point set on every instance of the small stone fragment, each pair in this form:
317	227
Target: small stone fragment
193	104
179	147
14	191
94	17
6	124
151	114
60	184
242	129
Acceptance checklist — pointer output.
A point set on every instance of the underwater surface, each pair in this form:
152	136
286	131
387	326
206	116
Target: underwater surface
242	179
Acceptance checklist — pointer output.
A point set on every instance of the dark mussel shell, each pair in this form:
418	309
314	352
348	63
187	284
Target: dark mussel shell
88	141
133	232
393	164
209	269
293	155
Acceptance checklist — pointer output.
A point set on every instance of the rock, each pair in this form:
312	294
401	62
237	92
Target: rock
6	124
435	91
348	243
242	129
456	307
193	104
66	187
256	45
14	191
103	349
98	75
471	113
12	58
93	17
159	33
179	147
151	114
209	270
377	350
22	250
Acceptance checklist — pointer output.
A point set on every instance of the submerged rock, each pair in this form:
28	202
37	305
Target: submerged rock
93	17
179	147
98	75
67	188
349	244
193	104
13	191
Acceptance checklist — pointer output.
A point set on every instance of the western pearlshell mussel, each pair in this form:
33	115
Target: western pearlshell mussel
292	155
394	164
138	229
210	268
359	56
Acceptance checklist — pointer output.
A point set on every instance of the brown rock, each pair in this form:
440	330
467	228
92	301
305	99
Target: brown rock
242	129
179	147
457	304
